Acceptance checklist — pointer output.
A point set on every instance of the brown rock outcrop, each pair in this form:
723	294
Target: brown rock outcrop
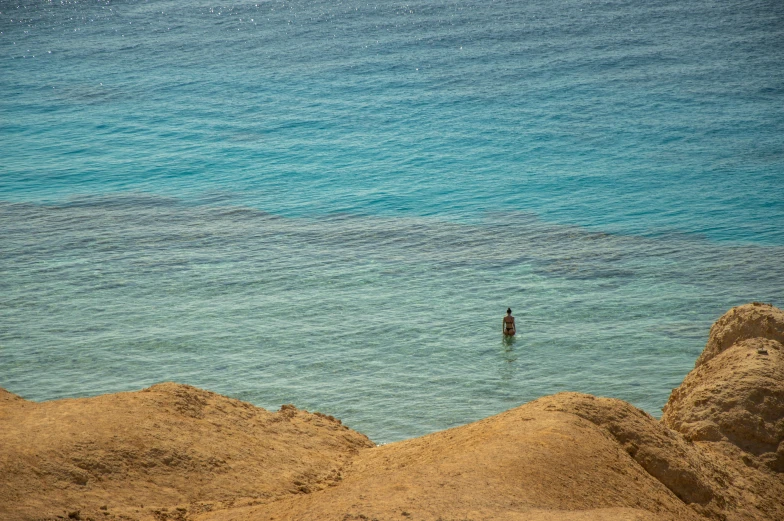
714	482
530	463
755	320
144	454
735	395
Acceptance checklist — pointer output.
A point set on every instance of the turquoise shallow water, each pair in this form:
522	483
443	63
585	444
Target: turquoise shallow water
332	204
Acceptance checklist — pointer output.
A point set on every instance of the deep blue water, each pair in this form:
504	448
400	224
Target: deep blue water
333	203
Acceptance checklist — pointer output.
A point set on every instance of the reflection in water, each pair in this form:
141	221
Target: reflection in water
509	356
509	340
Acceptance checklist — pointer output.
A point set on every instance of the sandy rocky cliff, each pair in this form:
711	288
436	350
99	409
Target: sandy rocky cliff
174	452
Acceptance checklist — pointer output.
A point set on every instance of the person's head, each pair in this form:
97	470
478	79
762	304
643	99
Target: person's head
508	311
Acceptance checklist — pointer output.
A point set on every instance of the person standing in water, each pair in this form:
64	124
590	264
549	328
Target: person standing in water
509	323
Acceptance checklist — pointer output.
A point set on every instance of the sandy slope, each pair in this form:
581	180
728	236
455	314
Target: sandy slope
176	452
526	463
167	446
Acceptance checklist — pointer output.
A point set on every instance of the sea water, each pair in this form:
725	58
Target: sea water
332	203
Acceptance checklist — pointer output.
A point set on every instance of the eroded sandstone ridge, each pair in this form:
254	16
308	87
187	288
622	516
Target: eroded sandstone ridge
174	452
735	393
